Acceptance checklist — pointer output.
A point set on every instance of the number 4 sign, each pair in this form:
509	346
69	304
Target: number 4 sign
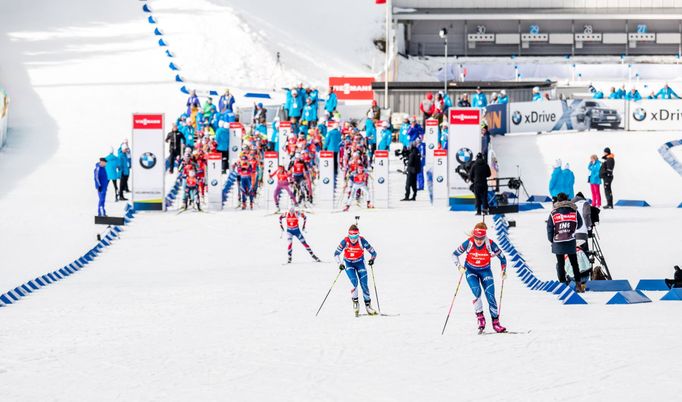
380	173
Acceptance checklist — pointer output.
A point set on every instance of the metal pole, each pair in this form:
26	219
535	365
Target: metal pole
387	46
445	68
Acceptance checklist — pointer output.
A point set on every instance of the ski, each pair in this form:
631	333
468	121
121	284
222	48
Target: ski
378	315
505	332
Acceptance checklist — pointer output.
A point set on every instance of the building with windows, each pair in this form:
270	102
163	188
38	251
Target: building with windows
538	27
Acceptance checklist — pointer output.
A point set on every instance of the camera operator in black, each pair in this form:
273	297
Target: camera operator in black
478	176
606	174
561	226
414	167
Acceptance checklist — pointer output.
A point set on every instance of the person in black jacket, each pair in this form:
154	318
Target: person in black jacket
175	140
478	176
676	282
606	174
561	225
414	167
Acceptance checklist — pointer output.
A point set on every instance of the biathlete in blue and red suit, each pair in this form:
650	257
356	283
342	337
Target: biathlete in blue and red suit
480	250
353	248
292	219
245	185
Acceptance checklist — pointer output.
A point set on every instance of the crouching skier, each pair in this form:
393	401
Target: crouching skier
292	217
480	250
353	247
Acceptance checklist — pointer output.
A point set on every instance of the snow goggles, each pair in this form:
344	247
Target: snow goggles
353	234
479	233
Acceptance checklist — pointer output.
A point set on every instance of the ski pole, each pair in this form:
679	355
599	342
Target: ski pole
499	307
376	294
459	282
330	290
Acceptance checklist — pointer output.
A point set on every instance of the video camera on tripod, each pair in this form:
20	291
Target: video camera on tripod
595	254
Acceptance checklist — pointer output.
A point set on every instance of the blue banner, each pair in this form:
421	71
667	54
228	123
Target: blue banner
496	118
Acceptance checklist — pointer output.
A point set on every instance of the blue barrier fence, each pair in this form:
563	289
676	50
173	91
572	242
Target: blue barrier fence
565	293
14	295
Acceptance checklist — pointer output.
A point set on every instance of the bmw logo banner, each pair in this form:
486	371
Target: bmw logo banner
655	115
148	171
214	197
430	140
464	142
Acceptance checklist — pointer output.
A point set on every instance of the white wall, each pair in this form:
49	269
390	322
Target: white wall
640	172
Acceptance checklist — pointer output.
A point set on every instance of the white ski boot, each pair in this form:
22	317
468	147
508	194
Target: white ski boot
369	309
356	307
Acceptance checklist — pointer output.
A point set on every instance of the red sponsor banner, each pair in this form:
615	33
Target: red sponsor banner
465	116
381	154
214	156
352	88
440	152
380	1
569	217
147	121
284	124
271	154
236	124
326	154
431	122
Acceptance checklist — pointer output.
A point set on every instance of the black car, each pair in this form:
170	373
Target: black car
593	115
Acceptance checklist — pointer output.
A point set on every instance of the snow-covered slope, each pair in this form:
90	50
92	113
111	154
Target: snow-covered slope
75	70
640	174
234	43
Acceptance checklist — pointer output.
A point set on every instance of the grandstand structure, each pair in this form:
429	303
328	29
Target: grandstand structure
538	27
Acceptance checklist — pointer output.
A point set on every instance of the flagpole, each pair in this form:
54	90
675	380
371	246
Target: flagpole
387	48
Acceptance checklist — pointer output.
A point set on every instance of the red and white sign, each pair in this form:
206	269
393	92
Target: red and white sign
464	142
147	121
148	162
352	88
284	131
440	178
380	174
324	187
430	141
465	116
214	196
236	133
270	164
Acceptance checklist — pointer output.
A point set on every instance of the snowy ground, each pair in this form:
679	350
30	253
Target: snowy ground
200	306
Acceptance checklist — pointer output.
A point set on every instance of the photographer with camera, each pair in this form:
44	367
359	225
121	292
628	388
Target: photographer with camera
561	226
478	176
584	209
413	164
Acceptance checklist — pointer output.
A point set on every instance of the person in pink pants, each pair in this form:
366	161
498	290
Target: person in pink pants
594	180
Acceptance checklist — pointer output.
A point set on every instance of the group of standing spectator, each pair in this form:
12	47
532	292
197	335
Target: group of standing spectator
114	169
633	94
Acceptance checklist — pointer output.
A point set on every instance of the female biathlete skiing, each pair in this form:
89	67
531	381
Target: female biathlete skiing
293	230
353	248
480	250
